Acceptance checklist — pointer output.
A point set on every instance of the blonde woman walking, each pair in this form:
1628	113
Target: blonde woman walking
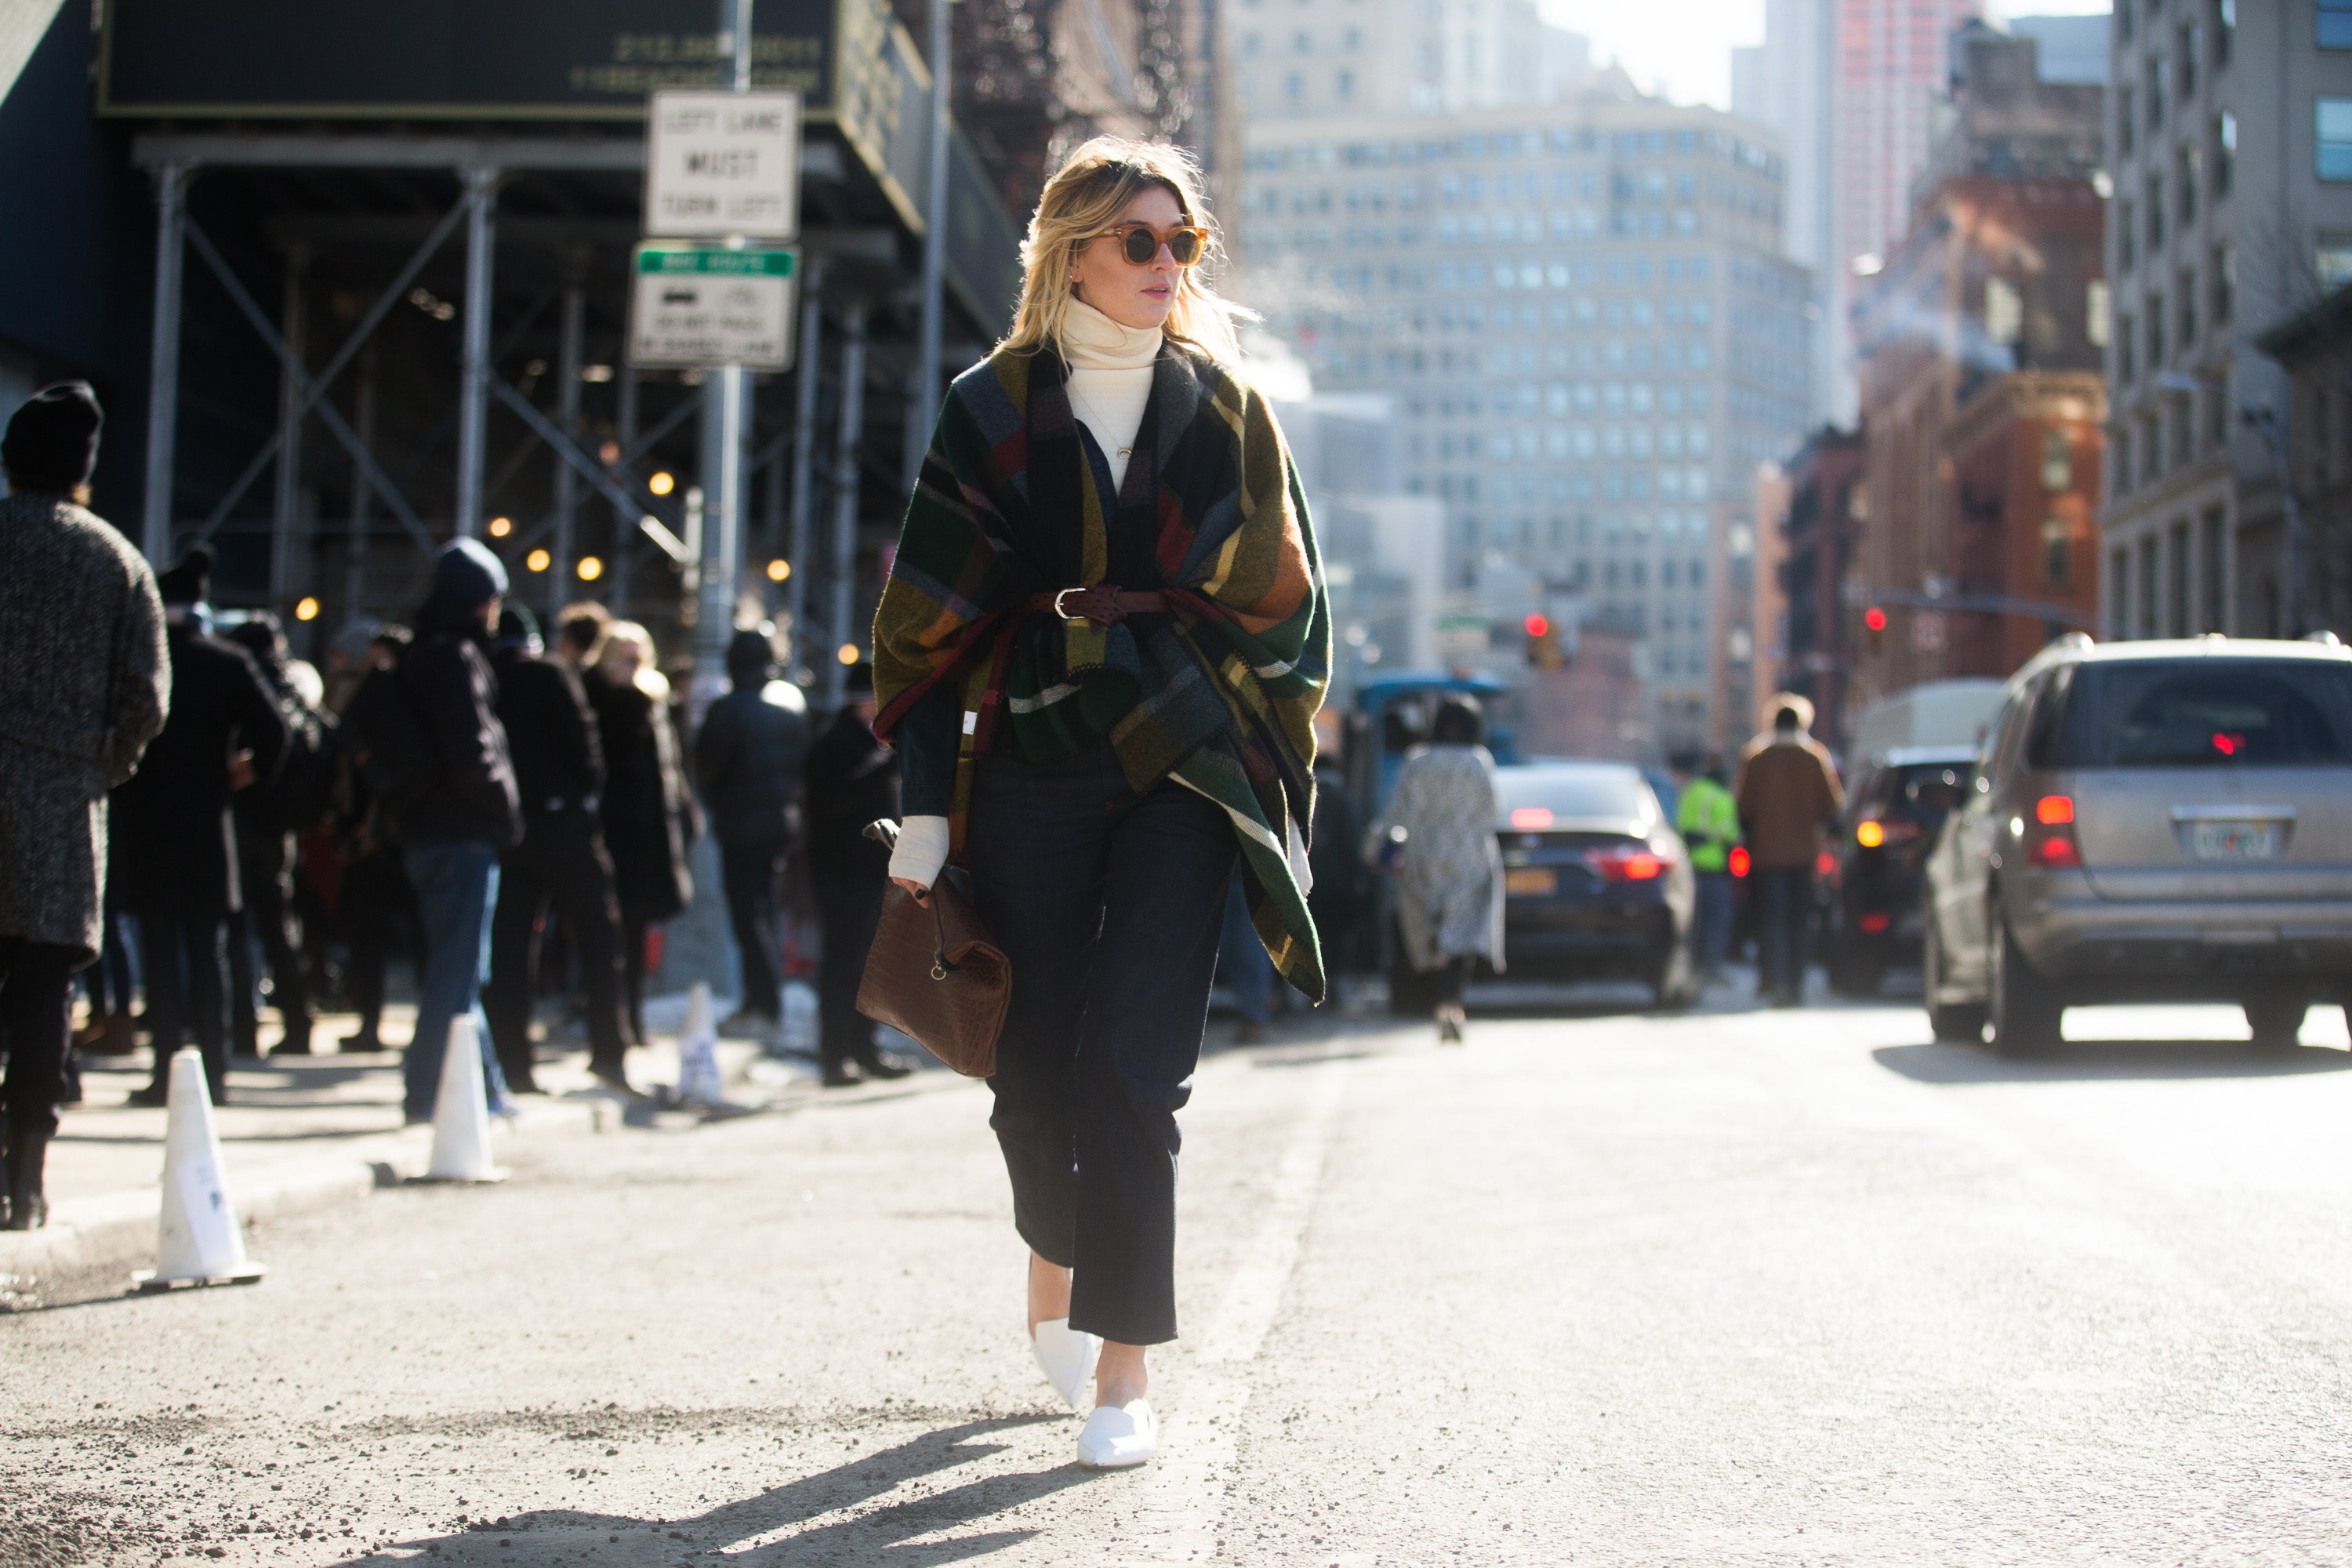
1100	652
649	814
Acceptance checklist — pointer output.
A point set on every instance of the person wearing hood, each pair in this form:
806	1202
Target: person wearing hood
177	868
852	780
83	689
465	814
560	863
747	760
1787	793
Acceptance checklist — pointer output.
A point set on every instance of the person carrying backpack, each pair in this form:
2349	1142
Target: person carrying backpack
436	757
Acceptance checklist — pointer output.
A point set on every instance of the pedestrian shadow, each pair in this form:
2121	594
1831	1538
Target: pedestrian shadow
2093	1060
862	1534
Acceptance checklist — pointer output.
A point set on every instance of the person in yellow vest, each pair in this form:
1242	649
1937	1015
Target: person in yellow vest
1708	817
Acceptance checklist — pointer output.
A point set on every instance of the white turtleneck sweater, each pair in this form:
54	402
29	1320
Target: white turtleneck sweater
1110	380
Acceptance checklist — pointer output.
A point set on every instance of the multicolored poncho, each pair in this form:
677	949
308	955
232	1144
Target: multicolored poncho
1219	693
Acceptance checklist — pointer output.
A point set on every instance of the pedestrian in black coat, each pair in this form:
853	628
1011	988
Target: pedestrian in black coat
851	779
649	815
84	683
747	760
176	866
560	864
268	816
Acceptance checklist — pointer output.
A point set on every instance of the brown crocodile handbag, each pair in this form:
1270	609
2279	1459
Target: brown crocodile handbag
935	975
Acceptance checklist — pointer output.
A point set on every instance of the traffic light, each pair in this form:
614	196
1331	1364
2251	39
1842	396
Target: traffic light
1874	621
1543	641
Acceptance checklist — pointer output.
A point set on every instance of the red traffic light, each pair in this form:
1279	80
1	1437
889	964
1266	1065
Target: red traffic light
1538	624
1874	618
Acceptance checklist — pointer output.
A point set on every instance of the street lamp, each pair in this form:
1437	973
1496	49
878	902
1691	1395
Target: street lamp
2272	428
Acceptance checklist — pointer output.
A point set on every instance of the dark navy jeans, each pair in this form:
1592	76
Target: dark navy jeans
1109	909
456	886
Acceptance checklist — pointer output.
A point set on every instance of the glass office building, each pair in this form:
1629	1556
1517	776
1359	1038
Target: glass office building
1592	337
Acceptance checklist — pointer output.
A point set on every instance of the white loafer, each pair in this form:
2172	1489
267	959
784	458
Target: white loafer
1118	1436
1066	1357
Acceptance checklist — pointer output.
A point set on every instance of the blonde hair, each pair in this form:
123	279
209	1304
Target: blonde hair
1087	195
648	680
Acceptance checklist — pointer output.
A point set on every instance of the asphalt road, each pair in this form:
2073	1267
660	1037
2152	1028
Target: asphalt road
1737	1288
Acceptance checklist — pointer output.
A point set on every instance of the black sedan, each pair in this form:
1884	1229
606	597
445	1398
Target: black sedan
1895	802
1596	883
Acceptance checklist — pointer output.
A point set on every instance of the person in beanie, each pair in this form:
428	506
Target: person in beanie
560	864
1787	792
466	813
747	760
176	857
84	687
852	779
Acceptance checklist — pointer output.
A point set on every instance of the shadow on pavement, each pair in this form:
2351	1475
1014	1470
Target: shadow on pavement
2095	1059
865	1533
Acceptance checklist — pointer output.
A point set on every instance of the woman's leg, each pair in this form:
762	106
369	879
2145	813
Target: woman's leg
1147	999
1037	840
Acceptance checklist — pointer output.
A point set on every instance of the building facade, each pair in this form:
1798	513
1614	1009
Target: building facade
1590	329
2229	141
1318	58
1819	524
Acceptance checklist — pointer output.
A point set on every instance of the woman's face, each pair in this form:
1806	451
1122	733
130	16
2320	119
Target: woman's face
1133	296
621	662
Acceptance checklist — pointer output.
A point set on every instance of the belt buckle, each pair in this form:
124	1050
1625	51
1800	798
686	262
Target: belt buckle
1067	618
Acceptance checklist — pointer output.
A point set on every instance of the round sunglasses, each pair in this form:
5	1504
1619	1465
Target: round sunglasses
1141	243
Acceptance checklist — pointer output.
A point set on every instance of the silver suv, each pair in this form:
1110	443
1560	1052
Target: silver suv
2149	820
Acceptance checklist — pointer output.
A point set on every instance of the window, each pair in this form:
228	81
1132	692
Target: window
2225	152
2333	20
2190	158
2126	127
2124	20
2119	577
2187	296
2334	117
2192	45
2154	94
1346	84
2170	713
2154	332
2119	472
2212	545
2057	461
2155	214
1295	85
2004	311
2126	237
2225	283
2057	553
2127	365
2333	261
2095	313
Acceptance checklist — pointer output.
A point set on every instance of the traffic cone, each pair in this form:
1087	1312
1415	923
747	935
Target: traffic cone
461	1112
699	1082
199	1241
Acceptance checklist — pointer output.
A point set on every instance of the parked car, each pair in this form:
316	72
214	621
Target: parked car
1870	917
1596	883
2150	820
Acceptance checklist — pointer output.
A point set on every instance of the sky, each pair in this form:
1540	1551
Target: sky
1684	46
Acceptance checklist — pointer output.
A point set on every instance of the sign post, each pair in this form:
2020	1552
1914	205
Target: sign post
709	306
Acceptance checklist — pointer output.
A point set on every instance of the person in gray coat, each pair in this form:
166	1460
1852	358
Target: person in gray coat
84	687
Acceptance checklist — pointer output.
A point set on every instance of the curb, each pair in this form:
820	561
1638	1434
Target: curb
118	1230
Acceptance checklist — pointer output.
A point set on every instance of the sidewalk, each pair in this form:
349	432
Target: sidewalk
303	1133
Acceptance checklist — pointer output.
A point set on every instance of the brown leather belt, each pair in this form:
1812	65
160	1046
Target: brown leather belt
1102	605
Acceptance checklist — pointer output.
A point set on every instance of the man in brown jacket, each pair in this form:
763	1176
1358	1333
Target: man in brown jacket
1788	791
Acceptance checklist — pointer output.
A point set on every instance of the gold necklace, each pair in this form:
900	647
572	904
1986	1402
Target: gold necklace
1088	404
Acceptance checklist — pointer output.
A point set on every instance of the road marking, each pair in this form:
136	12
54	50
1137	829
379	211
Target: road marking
1184	1500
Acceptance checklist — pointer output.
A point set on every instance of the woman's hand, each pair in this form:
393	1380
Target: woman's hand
921	894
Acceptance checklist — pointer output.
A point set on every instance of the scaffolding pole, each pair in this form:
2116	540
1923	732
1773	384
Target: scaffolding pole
474	396
164	360
804	409
567	483
287	496
844	564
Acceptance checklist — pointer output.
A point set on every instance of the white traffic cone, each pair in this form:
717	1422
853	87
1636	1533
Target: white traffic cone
461	1112
699	1082
199	1241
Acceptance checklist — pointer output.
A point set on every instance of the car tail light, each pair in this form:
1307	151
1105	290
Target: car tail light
1825	864
1876	833
2049	842
1632	863
1531	816
1737	862
1875	921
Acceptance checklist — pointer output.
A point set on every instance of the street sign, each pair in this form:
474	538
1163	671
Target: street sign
721	163
1928	631
706	306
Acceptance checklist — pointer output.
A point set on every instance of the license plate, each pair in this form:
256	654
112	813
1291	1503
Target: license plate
1535	882
2233	840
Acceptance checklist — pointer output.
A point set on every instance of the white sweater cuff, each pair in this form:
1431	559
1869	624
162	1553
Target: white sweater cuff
922	849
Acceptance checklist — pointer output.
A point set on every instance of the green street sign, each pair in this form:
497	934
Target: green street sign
671	261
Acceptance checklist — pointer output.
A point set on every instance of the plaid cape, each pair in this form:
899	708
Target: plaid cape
1219	694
